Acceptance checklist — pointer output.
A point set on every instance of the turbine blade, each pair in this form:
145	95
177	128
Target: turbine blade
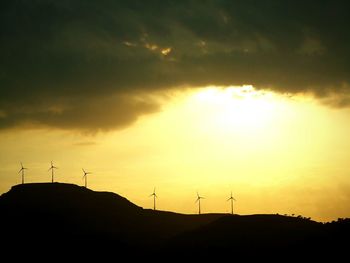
20	170
83	170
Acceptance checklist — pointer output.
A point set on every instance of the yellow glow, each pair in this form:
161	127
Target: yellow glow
166	51
277	153
234	107
151	46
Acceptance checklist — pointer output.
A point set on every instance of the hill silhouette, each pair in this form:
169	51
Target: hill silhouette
68	214
57	211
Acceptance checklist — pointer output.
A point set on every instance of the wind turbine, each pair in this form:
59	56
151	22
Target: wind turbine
85	176
154	198
22	170
52	168
232	199
199	202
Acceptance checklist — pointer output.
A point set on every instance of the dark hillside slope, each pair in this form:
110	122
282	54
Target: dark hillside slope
255	235
73	216
56	211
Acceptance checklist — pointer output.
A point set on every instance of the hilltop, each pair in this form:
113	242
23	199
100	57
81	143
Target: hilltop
68	214
65	211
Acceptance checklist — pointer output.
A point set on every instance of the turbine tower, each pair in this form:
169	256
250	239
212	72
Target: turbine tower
22	170
199	202
154	198
232	199
52	172
85	176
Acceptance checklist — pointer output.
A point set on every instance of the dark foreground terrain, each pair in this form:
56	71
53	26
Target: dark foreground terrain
65	216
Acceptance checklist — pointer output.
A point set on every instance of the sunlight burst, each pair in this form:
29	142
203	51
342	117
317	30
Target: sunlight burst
232	107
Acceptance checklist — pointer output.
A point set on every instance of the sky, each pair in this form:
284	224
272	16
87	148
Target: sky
185	96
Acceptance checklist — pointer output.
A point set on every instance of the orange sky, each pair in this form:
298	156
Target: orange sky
277	153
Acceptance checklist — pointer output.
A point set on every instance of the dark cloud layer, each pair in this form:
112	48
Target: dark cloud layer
83	65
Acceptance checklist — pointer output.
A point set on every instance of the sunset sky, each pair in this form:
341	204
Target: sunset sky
251	97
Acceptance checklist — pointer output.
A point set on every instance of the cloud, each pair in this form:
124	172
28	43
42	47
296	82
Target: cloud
85	143
78	64
87	114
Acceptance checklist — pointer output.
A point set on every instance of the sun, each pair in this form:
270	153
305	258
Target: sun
243	108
